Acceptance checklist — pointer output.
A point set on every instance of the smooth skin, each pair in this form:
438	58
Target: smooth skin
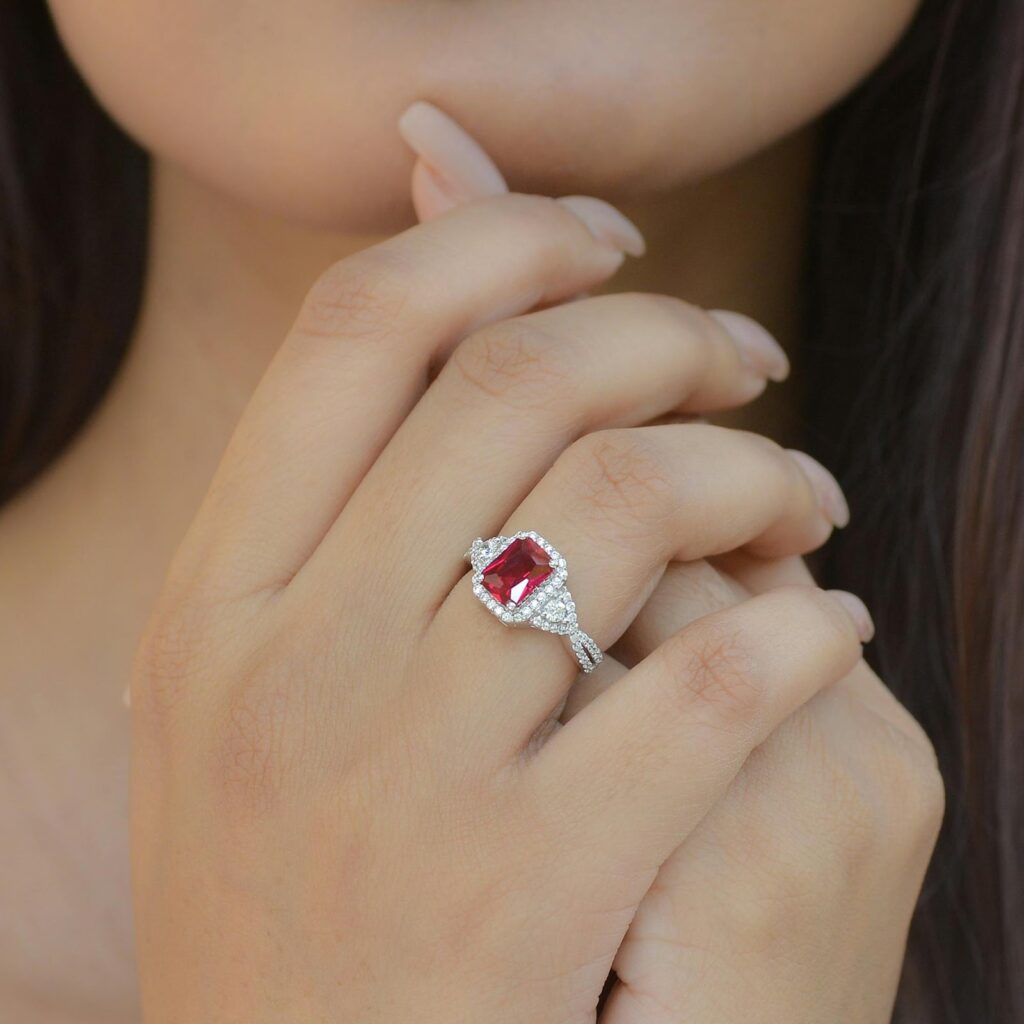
295	861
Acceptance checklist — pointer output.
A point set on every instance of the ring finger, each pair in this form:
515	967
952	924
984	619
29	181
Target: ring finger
620	505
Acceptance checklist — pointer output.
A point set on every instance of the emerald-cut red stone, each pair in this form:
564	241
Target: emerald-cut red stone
522	567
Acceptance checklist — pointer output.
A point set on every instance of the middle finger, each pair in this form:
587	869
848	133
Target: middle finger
619	506
510	400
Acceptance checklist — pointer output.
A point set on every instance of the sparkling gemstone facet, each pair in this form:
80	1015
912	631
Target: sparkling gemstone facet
556	611
522	567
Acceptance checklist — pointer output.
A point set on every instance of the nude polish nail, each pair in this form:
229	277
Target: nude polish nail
607	224
463	169
757	347
830	495
858	611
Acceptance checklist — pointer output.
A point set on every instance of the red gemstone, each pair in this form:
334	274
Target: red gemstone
522	567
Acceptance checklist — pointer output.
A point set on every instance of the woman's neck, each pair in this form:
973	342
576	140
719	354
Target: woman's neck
224	284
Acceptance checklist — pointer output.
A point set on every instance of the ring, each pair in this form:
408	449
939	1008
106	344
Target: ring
521	579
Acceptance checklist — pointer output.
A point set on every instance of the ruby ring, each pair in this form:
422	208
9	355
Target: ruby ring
522	580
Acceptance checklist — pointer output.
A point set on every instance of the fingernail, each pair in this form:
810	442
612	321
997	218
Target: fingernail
760	350
830	495
607	224
451	153
432	195
858	611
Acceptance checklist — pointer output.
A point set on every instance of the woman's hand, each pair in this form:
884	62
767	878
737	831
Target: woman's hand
351	800
791	901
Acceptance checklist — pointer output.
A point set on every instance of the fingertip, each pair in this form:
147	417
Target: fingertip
756	345
450	151
831	498
607	224
430	194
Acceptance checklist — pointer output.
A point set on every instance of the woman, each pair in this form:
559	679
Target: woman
356	795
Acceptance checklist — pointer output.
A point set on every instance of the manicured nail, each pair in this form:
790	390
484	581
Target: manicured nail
607	224
759	349
433	192
451	153
858	611
830	495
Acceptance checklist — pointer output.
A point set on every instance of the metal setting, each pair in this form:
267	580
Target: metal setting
548	606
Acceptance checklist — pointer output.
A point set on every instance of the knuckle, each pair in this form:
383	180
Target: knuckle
516	361
714	676
622	476
931	802
914	785
884	788
362	296
918	743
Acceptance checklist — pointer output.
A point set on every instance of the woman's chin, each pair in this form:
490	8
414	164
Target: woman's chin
356	179
293	108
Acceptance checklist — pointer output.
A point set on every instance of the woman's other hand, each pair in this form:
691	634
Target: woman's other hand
792	900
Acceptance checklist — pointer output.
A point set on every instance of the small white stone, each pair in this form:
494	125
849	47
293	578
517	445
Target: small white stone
556	611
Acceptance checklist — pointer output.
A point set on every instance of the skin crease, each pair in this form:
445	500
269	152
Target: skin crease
660	102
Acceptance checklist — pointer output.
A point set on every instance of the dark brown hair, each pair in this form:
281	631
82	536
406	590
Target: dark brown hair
915	384
916	393
72	243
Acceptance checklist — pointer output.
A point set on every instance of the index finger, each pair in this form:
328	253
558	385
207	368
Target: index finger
357	360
